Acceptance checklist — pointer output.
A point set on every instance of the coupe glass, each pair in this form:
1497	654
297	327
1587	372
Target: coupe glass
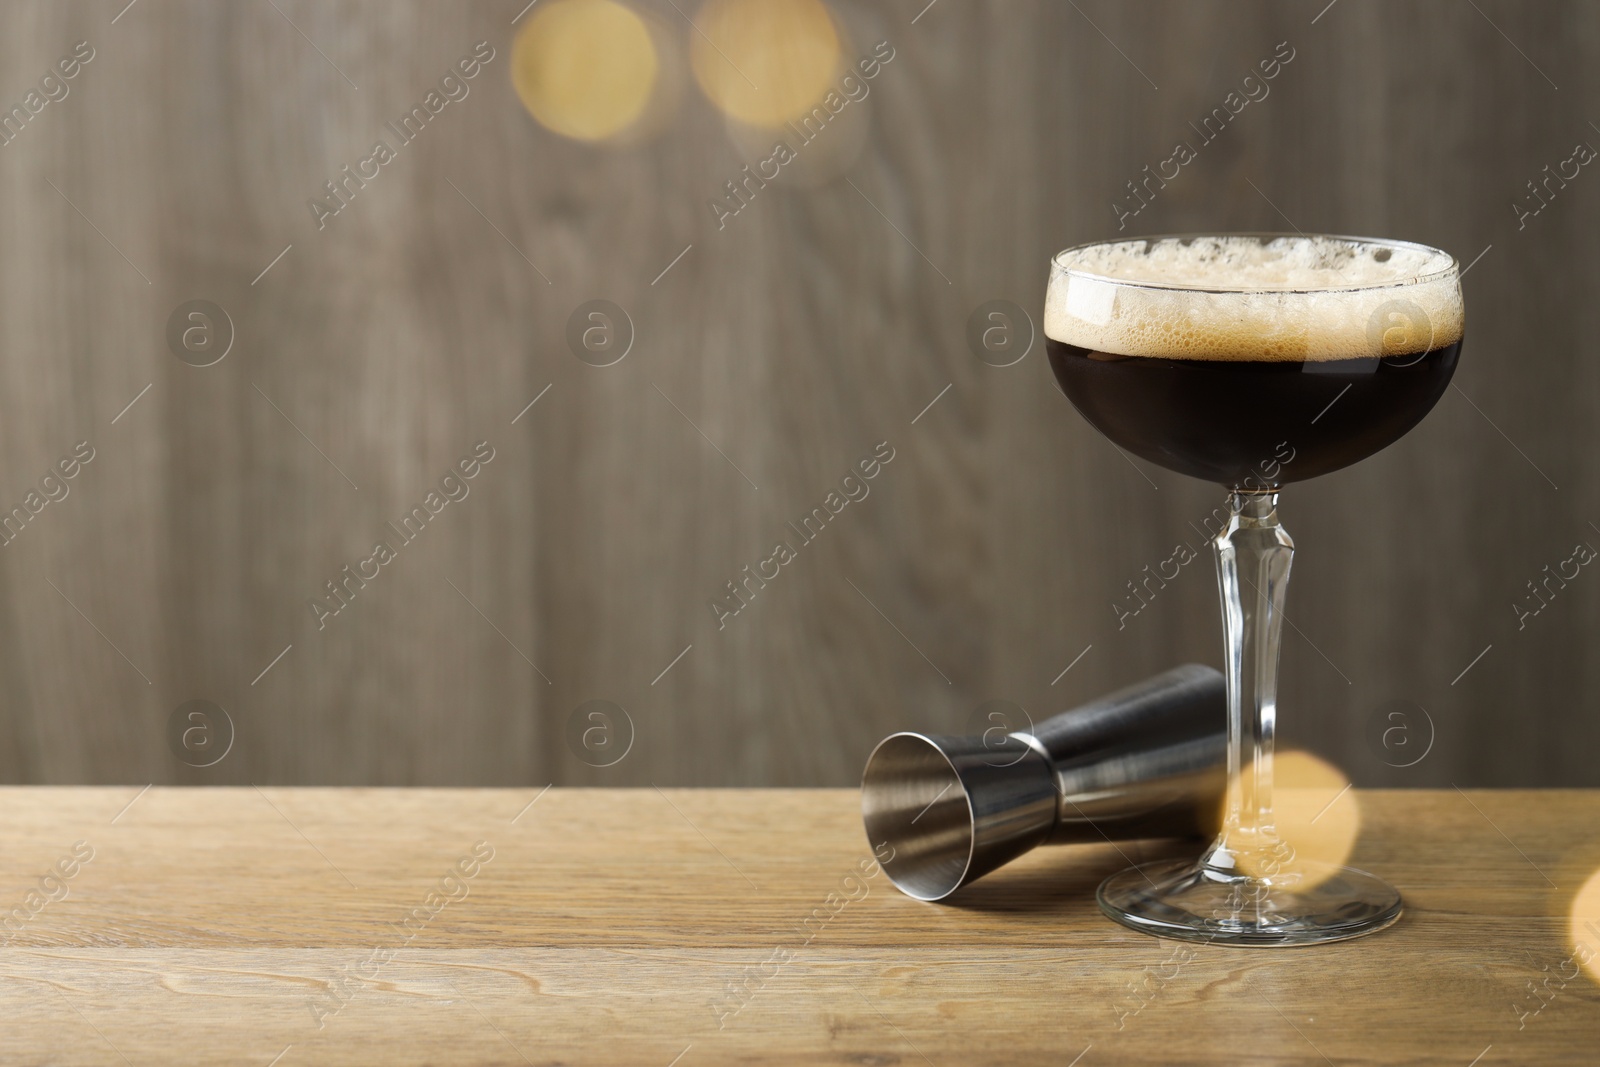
1252	360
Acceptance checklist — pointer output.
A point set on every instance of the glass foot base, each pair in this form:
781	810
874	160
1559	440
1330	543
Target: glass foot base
1187	902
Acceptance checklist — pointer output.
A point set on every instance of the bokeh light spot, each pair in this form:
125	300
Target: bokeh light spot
585	69
1585	927
765	62
1317	817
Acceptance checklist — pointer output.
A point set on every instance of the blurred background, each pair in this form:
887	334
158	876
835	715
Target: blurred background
390	392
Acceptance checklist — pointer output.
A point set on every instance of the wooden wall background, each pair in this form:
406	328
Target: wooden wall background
806	331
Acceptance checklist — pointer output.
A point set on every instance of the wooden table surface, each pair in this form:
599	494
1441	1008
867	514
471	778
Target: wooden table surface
690	927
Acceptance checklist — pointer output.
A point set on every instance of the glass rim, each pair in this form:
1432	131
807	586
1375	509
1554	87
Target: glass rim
1450	268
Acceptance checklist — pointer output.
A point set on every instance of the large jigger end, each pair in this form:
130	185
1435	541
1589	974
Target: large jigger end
951	809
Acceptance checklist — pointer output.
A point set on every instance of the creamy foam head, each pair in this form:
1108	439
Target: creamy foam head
1250	298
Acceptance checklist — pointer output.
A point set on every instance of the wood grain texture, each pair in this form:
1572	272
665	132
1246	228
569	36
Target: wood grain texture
821	320
627	926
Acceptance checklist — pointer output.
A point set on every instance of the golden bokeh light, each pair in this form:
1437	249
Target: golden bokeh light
585	69
1584	927
765	62
1317	817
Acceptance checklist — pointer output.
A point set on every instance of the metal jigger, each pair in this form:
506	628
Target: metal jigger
1146	761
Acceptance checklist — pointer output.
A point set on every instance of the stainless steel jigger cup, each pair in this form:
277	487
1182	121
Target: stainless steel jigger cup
1146	761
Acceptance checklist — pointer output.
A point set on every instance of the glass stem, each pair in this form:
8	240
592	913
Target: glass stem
1253	556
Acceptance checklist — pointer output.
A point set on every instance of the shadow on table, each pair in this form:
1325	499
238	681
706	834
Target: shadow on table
1062	879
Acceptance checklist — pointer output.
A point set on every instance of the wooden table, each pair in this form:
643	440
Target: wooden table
690	927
